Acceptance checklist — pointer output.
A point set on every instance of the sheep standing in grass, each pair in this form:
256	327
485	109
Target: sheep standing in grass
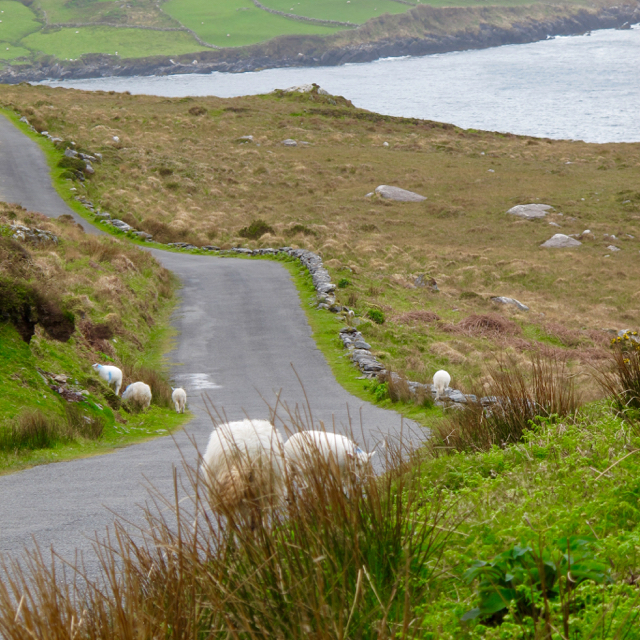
305	449
243	467
139	394
112	375
179	397
441	380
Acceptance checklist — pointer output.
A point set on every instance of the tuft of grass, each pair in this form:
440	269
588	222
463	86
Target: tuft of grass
255	230
518	402
620	377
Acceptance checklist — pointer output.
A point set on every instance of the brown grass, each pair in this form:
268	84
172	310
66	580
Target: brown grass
485	325
521	399
183	177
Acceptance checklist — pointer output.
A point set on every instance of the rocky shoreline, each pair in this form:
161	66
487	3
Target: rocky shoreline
490	29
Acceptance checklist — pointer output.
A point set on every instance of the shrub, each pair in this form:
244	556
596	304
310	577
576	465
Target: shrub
527	579
295	229
255	230
75	164
32	430
519	403
621	379
376	315
343	282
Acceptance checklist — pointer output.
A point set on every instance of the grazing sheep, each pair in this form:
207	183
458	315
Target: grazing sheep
138	393
441	380
179	397
112	375
302	450
243	467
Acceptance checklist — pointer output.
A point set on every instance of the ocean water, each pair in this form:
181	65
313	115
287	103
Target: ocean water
578	87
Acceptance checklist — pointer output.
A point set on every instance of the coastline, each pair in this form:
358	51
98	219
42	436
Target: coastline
422	31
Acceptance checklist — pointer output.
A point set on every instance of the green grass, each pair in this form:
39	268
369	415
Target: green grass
212	20
325	327
18	21
356	11
127	43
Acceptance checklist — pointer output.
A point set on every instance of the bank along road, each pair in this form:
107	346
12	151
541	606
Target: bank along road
242	338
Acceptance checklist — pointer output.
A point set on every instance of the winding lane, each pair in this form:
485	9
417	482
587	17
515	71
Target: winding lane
241	333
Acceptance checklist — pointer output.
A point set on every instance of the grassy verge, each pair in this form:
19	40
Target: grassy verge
67	303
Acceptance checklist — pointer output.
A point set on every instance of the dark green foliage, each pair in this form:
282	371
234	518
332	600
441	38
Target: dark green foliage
530	578
376	315
255	230
75	164
343	282
295	229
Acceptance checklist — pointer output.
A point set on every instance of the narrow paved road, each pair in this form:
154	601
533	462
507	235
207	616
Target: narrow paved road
240	329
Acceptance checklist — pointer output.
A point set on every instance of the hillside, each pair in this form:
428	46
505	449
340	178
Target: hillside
182	170
67	300
42	39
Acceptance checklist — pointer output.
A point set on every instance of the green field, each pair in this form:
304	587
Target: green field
126	43
357	11
30	31
234	23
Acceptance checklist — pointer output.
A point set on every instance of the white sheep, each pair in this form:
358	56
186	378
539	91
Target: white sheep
441	380
179	397
303	450
243	467
112	375
138	393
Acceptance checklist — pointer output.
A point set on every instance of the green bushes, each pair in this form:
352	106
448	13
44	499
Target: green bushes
255	230
376	315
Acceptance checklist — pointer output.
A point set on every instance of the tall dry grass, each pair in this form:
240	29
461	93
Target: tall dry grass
338	558
619	378
519	399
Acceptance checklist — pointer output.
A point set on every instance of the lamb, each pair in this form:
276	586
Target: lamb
243	467
112	375
179	397
138	393
304	448
441	380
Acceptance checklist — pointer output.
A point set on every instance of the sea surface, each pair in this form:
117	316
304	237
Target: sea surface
578	87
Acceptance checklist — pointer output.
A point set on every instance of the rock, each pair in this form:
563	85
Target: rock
102	215
24	119
32	235
385	144
143	235
70	153
88	168
612	247
210	247
245	139
289	143
307	88
561	241
457	396
120	224
398	194
361	344
513	301
554	224
530	211
425	281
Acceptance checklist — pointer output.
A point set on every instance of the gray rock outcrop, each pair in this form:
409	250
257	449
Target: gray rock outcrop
561	241
530	211
398	194
512	301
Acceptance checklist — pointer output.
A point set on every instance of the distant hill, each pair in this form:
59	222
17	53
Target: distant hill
83	38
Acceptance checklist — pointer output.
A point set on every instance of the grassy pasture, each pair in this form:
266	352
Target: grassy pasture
180	173
244	22
127	43
356	11
18	21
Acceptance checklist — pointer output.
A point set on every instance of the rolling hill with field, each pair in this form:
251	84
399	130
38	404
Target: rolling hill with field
83	38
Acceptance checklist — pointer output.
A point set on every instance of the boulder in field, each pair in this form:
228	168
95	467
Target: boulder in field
398	194
561	241
530	211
